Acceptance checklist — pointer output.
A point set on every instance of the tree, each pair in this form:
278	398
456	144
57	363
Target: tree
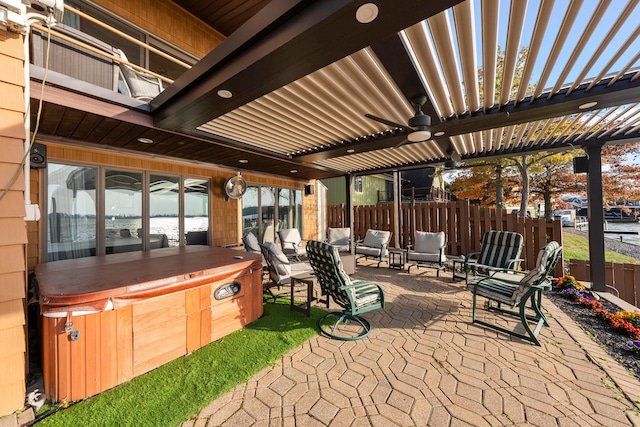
544	176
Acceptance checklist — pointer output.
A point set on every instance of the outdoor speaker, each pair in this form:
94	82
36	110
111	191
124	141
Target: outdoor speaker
580	164
38	155
308	189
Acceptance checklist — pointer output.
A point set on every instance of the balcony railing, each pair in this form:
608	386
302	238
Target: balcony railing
416	194
81	56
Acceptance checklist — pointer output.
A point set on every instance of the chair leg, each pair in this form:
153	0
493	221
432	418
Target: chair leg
344	317
531	334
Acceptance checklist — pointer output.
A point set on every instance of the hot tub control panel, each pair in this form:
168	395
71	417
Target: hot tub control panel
227	290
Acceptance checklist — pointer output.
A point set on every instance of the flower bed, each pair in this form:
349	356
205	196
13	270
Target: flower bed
617	331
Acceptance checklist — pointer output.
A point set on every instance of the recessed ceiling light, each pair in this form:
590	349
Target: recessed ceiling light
243	161
438	133
145	140
367	13
588	105
351	150
223	93
293	170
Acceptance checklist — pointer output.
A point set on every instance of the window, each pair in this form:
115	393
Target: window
71	212
259	211
166	211
357	184
122	211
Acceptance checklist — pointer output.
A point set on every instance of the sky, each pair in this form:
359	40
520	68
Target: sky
559	10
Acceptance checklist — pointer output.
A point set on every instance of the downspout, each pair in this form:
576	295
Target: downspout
32	211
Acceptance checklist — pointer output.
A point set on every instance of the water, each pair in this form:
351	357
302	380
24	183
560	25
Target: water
611	227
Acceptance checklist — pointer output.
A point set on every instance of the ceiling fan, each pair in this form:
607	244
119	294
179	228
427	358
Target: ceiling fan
235	187
418	125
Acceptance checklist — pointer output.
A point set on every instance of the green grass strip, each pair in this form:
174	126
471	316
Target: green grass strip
577	247
174	392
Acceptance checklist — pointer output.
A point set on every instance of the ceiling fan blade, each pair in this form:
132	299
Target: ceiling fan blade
404	141
388	122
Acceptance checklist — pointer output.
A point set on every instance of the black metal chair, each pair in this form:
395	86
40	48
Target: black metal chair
354	296
374	245
280	270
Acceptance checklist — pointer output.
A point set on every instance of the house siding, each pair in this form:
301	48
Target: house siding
169	22
371	184
14	233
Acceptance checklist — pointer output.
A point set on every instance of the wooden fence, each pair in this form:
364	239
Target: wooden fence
464	224
622	277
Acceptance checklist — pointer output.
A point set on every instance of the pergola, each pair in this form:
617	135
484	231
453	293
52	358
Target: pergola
287	92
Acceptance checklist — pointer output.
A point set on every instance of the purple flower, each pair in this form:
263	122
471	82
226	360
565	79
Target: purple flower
634	346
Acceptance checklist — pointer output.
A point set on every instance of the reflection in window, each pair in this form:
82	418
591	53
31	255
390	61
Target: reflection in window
196	210
164	211
71	212
250	212
258	213
122	211
267	205
296	208
283	208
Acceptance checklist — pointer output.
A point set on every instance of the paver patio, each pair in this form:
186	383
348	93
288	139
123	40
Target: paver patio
426	364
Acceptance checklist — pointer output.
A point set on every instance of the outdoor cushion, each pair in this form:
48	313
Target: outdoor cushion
279	259
376	238
251	243
339	237
291	242
429	243
500	247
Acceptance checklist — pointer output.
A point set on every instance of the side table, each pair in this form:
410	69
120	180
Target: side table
397	258
308	278
456	263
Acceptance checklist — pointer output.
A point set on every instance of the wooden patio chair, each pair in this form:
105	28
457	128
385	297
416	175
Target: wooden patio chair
354	296
521	292
499	250
428	250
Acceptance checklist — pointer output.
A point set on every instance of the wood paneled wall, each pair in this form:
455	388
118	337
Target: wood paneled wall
13	236
169	22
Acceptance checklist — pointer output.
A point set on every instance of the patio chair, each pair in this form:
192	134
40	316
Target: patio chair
142	86
251	243
340	238
428	250
499	250
521	292
354	296
374	245
280	269
291	243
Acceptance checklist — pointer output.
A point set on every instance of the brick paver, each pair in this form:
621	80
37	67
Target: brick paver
424	363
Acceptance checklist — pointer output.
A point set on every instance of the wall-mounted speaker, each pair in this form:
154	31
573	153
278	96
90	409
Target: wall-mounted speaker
309	189
38	155
580	164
